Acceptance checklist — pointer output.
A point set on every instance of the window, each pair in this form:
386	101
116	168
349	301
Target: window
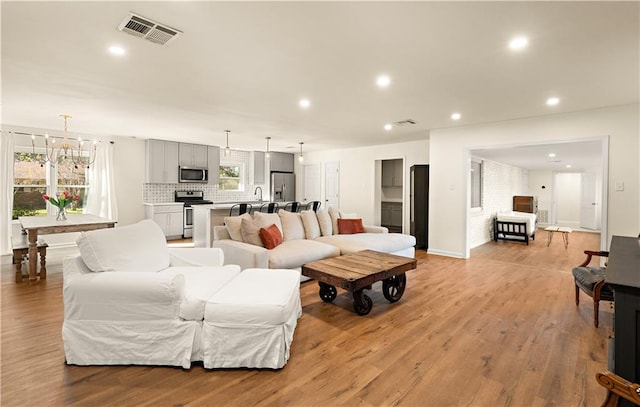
476	184
34	178
231	177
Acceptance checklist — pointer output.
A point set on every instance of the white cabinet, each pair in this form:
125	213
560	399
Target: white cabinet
213	164
168	217
162	162
257	172
392	173
193	155
281	162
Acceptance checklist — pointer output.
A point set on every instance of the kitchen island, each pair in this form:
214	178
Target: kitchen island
205	217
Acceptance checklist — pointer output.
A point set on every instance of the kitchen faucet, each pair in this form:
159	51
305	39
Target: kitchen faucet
256	192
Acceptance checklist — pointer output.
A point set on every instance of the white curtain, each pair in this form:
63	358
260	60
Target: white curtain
6	186
101	196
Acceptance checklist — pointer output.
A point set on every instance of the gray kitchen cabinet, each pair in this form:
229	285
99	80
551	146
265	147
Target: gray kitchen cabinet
392	173
385	215
169	217
162	162
281	162
396	214
213	164
391	214
193	155
257	174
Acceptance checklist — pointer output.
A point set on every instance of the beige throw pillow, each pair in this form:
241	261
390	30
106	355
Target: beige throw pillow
310	223
233	224
264	220
251	232
324	220
335	215
292	228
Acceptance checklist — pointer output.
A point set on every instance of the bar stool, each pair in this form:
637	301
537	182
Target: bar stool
292	206
240	209
314	205
269	207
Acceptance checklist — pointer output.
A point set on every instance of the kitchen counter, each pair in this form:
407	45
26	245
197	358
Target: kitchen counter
164	204
228	205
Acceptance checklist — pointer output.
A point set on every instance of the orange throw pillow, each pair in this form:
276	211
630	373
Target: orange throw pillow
271	236
350	226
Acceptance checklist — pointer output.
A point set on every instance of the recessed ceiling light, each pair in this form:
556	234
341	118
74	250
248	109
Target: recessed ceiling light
116	50
518	43
568	166
388	126
383	81
456	116
304	103
553	101
551	155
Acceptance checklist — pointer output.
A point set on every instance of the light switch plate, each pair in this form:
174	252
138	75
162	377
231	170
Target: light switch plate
619	186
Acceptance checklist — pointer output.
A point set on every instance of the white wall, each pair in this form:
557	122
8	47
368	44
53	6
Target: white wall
358	174
129	163
538	180
449	154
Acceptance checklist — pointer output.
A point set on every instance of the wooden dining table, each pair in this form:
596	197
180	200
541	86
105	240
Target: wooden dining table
46	225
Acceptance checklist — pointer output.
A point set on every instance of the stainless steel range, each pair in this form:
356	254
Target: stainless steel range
189	198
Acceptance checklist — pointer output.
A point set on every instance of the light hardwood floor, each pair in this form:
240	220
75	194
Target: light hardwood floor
500	329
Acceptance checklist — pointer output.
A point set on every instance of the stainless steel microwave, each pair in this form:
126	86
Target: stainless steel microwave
192	174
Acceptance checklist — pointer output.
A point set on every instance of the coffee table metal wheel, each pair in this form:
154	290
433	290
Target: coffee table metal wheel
393	287
362	304
328	292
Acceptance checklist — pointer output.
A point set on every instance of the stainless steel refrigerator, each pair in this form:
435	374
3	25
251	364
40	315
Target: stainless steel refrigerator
283	187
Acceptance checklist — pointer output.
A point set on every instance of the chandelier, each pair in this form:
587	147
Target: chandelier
55	152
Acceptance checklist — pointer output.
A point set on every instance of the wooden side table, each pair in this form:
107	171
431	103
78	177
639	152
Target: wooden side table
559	229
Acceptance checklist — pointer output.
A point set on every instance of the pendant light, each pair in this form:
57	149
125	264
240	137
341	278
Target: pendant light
267	153
301	156
227	150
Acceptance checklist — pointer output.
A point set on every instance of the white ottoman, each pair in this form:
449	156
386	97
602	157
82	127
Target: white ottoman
251	320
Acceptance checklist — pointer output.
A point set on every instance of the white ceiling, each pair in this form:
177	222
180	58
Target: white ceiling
243	66
581	156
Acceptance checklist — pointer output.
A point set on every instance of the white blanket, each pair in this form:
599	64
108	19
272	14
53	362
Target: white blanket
512	216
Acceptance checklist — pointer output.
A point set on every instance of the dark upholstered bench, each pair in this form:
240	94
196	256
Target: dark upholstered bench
20	246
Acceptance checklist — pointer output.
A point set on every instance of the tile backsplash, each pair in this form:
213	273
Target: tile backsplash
163	193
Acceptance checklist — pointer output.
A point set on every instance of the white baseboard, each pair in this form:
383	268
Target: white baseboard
446	253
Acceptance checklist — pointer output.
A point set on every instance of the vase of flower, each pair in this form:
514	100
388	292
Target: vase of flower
61	201
62	214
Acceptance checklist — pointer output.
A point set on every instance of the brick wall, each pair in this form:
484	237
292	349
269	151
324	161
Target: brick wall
500	182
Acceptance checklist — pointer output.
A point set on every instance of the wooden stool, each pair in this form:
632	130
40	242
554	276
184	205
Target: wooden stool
20	246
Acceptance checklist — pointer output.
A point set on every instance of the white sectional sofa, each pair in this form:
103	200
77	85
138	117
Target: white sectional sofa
308	236
128	299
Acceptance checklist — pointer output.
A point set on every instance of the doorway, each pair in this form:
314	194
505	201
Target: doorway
332	184
575	202
391	194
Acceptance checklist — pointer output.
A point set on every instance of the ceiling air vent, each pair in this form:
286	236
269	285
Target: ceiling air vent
149	30
405	122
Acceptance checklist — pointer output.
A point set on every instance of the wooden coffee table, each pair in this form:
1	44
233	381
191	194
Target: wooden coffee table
358	271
